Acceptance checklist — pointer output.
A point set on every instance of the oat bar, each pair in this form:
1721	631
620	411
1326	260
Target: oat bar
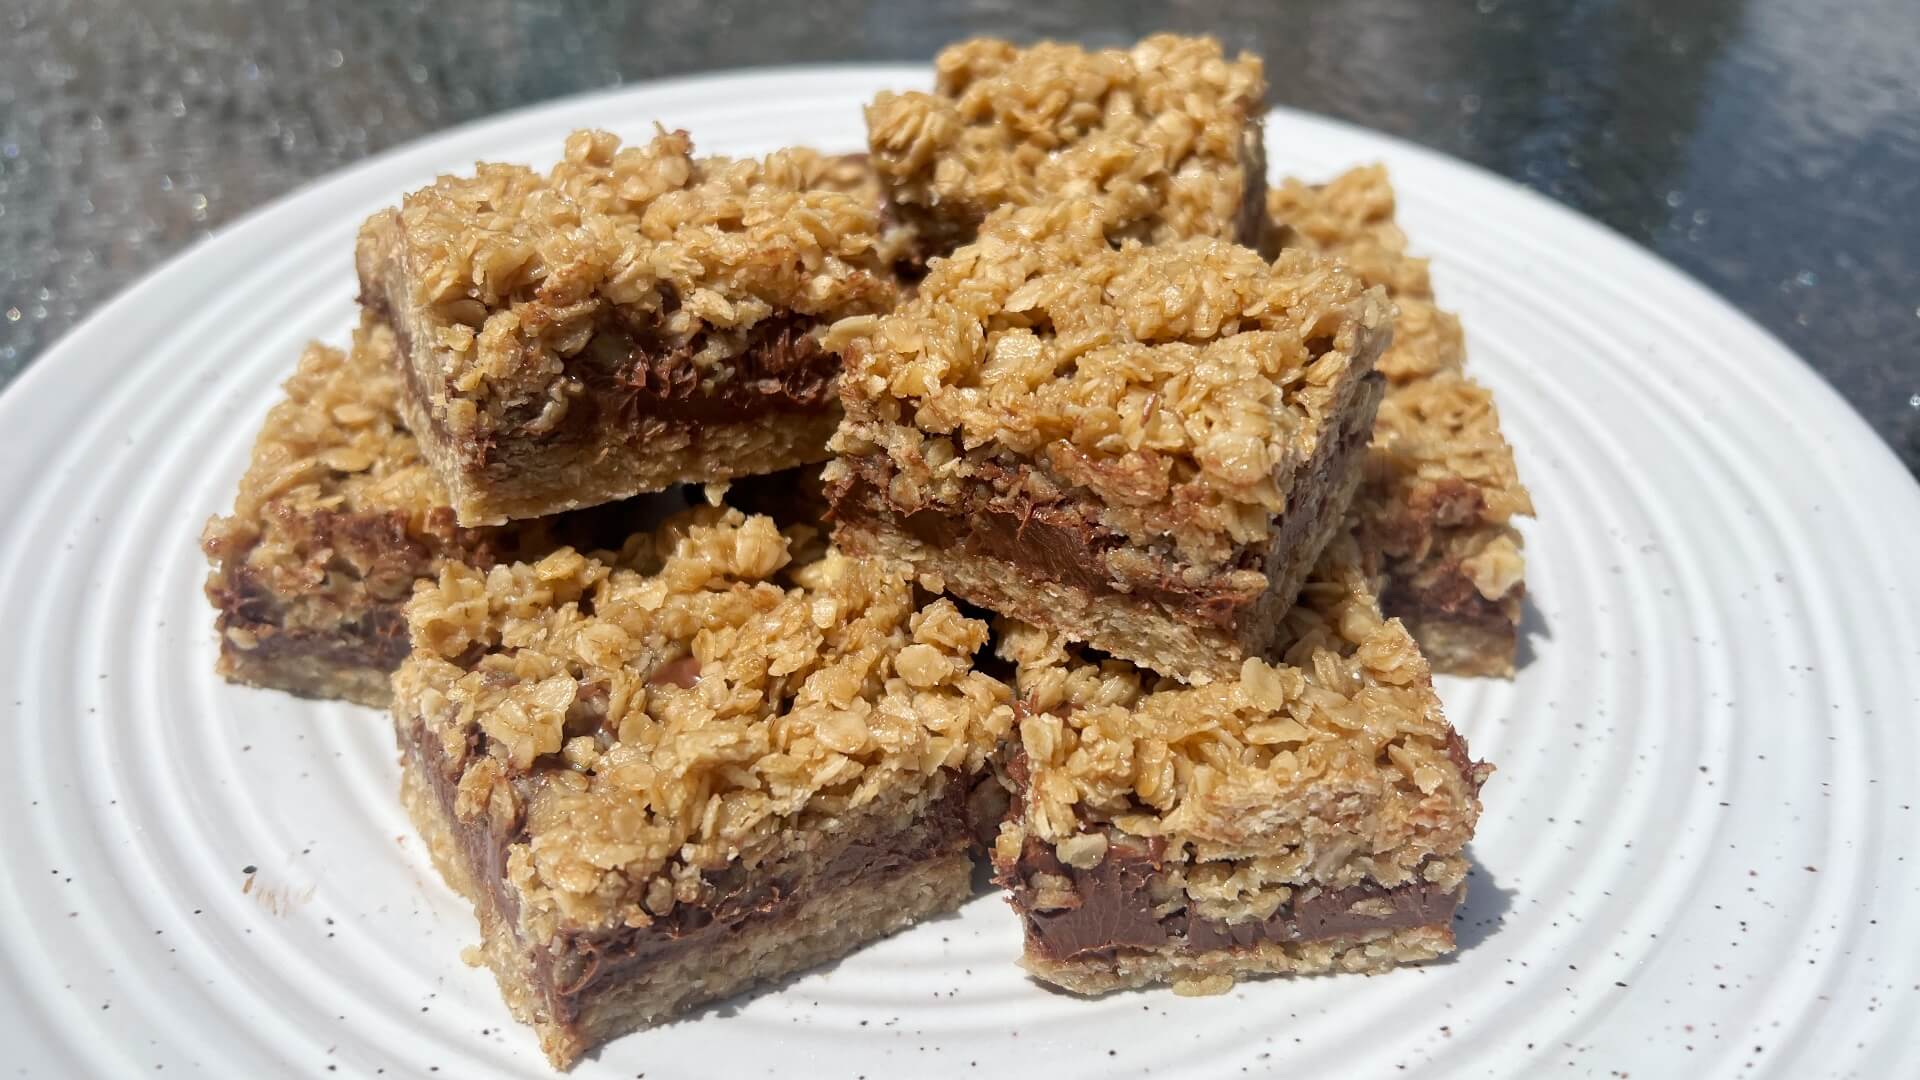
1441	492
667	775
1168	132
1142	447
1436	506
336	517
1308	815
634	318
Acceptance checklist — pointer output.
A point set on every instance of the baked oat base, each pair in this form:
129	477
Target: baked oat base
309	676
1112	623
1456	647
1215	972
659	455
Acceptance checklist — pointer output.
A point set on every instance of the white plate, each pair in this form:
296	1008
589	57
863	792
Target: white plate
1696	854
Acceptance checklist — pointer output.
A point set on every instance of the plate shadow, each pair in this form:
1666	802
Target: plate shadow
1486	909
1533	625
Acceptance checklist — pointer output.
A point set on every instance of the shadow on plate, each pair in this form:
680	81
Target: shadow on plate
1532	625
1485	911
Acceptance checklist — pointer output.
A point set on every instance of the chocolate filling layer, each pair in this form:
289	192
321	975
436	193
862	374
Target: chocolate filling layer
1113	909
741	900
1062	539
376	640
629	375
359	567
1449	596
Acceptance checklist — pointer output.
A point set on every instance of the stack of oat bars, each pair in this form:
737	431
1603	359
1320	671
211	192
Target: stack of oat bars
746	548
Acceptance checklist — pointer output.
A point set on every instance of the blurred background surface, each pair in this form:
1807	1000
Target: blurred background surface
1769	147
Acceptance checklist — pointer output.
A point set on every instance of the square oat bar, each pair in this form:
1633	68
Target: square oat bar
668	775
632	319
337	516
1440	493
1142	447
1167	132
1436	506
1308	815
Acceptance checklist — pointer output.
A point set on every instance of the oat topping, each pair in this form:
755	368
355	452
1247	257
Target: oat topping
1332	765
336	440
1438	458
1166	132
1438	455
661	712
1352	219
1184	382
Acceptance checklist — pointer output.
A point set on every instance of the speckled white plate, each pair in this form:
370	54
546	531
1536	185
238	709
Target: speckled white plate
1697	854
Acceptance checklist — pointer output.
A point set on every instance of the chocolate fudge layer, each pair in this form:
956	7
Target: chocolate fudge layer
1121	905
1309	815
336	517
1167	133
633	319
1141	447
669	775
1441	492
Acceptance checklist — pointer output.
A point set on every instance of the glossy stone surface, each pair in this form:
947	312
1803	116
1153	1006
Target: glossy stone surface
1769	147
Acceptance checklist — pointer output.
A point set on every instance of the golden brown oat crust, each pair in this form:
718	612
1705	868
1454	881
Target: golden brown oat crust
1167	133
806	699
1441	489
1183	384
1199	974
1133	604
1247	767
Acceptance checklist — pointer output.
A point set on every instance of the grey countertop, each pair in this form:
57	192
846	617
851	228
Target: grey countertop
1769	147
